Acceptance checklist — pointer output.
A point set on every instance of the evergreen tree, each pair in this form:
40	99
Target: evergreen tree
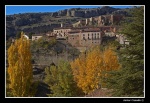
129	80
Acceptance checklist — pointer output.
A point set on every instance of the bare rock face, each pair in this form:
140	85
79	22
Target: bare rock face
54	14
75	13
62	12
68	13
41	22
121	12
86	13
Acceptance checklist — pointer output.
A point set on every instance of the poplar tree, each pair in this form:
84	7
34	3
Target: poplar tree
89	69
20	68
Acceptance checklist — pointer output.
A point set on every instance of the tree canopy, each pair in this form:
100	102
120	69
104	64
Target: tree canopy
20	68
129	80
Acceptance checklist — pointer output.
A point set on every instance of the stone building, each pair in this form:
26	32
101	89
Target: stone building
50	36
36	37
122	39
85	37
109	20
61	32
73	38
90	37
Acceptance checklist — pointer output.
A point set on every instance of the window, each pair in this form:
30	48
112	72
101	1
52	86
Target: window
88	36
83	36
98	35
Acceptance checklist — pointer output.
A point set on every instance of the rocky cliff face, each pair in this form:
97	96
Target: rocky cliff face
42	22
87	13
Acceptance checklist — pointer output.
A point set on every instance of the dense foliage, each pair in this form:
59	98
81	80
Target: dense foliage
42	43
60	80
20	68
129	80
89	68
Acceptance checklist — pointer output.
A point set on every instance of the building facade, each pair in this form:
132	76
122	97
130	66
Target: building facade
73	38
122	39
61	32
84	38
36	37
90	38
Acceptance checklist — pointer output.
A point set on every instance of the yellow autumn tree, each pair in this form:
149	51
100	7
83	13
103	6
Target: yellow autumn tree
110	62
94	67
90	68
87	70
20	68
110	59
78	68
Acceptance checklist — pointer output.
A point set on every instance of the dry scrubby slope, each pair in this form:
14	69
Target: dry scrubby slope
43	22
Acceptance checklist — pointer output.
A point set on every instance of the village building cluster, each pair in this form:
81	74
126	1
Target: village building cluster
80	37
86	35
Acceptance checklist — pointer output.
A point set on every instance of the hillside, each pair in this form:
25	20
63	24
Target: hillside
43	22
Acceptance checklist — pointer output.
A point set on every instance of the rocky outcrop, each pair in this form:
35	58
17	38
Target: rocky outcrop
34	22
54	14
86	13
62	12
121	12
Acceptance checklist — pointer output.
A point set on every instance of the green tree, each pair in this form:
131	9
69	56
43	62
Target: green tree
20	68
129	80
60	80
